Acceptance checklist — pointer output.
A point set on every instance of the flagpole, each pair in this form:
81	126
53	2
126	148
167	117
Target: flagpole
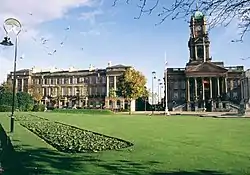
166	85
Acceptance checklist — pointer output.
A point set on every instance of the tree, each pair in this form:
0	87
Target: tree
36	92
25	101
131	85
6	86
219	12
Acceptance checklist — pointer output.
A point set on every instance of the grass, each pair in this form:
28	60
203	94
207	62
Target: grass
178	145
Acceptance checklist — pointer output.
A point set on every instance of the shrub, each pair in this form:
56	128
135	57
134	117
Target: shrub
29	107
39	108
5	108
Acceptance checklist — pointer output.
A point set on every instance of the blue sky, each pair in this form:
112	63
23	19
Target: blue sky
100	33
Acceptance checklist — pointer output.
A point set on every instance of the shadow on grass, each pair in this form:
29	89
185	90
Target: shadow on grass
44	161
27	160
199	172
8	159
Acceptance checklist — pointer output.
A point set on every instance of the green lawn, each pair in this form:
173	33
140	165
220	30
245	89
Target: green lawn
178	145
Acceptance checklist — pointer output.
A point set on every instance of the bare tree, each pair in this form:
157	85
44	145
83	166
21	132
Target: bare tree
218	12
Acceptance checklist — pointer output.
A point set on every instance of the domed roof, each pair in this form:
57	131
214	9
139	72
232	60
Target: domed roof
198	15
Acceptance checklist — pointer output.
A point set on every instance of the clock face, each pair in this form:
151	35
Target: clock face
198	28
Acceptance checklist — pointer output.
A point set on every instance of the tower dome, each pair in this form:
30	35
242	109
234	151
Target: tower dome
198	15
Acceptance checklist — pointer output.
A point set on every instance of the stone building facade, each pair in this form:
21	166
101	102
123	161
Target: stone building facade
203	84
246	89
68	88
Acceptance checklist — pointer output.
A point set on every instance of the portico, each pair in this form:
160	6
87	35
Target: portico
206	83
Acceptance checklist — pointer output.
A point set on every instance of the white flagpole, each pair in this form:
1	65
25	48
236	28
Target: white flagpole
166	85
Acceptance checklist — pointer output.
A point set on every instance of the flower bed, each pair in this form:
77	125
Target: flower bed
85	111
67	138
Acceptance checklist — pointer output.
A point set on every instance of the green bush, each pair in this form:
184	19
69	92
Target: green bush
39	108
24	100
29	107
6	98
85	111
5	108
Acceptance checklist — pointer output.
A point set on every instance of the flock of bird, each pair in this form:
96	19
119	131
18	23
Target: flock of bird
44	42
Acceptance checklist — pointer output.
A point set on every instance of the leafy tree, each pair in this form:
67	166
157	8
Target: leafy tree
112	93
219	12
131	85
25	101
6	86
36	92
6	99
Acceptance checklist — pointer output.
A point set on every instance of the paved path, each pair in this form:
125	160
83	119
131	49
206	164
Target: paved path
204	114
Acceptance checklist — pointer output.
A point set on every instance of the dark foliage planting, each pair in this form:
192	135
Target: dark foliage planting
66	138
85	111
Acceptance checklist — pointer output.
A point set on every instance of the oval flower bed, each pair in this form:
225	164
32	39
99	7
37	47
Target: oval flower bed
67	138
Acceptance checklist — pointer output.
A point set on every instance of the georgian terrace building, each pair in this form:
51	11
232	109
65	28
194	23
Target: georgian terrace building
68	88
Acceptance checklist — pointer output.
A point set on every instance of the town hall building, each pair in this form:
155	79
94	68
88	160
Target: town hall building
203	84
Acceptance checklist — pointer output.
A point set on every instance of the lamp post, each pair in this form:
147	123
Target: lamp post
166	88
153	77
160	93
12	25
158	97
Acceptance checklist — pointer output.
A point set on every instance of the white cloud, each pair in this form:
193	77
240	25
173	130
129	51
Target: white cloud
32	13
41	11
90	16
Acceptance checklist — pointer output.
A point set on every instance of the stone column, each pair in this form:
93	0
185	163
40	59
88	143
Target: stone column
188	94
195	88
211	93
203	89
203	92
226	85
218	86
211	88
107	87
195	51
115	82
231	84
242	89
22	85
86	101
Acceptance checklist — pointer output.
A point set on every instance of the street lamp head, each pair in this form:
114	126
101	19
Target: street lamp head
12	24
153	73
6	42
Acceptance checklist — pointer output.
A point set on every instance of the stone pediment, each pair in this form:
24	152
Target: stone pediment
206	67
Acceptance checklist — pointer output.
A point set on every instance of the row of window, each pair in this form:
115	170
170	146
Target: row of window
70	80
182	84
73	91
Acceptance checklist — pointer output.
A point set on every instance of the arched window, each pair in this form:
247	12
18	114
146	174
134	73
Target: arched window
200	51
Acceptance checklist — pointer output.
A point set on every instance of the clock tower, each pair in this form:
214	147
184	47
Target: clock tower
198	42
